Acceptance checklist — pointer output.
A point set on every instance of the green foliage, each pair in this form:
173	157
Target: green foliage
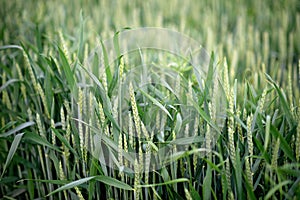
55	100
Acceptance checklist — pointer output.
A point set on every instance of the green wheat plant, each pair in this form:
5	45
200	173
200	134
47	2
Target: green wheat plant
72	127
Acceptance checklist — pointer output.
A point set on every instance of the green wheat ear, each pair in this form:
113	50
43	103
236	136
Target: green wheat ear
231	129
249	138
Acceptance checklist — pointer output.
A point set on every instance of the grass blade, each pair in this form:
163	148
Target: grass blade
179	180
155	102
18	128
113	182
277	187
12	151
71	185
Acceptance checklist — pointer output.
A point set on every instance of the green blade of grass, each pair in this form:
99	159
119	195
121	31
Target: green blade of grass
107	107
283	101
71	185
4	47
106	63
179	180
207	184
104	179
64	141
7	83
283	142
18	128
68	73
12	151
275	188
39	140
113	182
155	102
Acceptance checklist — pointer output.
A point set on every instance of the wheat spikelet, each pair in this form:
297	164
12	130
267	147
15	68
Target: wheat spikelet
31	73
57	65
226	79
40	126
147	163
266	46
136	180
64	46
244	114
195	156
104	82
42	133
263	68
23	88
68	135
79	194
136	117
37	87
141	160
208	135
290	90
239	127
91	119
186	134
44	101
29	112
130	131
212	109
120	155
249	138
115	108
249	172
228	178
61	172
80	127
144	131
62	176
262	100
275	154
62	119
101	113
231	129
137	123
126	150
86	54
52	132
121	70
177	85
187	194
66	104
6	100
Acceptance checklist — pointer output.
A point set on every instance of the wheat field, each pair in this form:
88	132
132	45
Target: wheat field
79	123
